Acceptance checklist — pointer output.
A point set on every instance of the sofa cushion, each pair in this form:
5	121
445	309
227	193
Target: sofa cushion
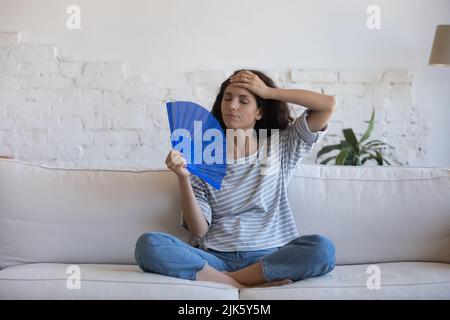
49	281
82	215
403	280
375	213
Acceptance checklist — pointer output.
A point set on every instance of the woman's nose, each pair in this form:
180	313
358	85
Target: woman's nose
234	105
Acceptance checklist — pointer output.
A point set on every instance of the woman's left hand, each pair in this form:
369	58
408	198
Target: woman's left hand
250	81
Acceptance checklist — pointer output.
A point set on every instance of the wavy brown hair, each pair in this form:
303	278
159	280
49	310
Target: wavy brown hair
275	113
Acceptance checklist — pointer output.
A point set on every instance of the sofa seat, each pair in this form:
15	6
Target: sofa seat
401	280
104	281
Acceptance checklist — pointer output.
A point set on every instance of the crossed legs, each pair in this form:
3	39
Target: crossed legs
303	257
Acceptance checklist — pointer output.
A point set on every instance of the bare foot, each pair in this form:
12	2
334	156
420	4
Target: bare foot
273	283
261	285
210	274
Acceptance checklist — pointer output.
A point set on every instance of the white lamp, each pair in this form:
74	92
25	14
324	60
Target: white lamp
440	53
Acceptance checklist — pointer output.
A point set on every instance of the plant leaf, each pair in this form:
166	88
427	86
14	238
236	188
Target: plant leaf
327	160
379	157
372	141
351	138
370	145
342	156
372	156
350	160
365	159
385	143
329	148
370	128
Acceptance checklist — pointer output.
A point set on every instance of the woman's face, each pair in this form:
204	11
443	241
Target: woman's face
239	108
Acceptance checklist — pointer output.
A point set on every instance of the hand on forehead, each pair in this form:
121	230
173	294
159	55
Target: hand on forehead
243	73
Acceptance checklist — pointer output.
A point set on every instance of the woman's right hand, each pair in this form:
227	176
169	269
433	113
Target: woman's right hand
177	164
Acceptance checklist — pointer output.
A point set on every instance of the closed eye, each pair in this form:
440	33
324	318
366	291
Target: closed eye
241	101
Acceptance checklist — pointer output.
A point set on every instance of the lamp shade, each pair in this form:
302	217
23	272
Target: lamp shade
440	53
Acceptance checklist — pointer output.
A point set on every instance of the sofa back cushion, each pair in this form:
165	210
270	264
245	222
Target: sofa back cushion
82	216
373	214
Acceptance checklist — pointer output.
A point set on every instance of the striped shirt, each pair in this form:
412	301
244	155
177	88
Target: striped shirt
251	210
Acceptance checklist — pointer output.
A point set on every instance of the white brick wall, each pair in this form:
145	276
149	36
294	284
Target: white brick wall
8	38
93	114
321	76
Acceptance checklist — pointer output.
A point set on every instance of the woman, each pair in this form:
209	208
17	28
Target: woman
245	230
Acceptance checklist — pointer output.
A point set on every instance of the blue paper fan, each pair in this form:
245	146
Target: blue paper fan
197	134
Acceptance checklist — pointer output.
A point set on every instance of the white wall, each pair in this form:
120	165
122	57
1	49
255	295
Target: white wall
167	39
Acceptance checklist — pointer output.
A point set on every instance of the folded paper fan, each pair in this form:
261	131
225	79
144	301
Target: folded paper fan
197	134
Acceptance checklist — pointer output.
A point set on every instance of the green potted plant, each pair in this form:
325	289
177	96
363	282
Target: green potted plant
355	153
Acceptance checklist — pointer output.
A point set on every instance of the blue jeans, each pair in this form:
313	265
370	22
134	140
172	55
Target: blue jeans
304	257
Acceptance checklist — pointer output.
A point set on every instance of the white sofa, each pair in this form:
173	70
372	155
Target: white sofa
396	218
